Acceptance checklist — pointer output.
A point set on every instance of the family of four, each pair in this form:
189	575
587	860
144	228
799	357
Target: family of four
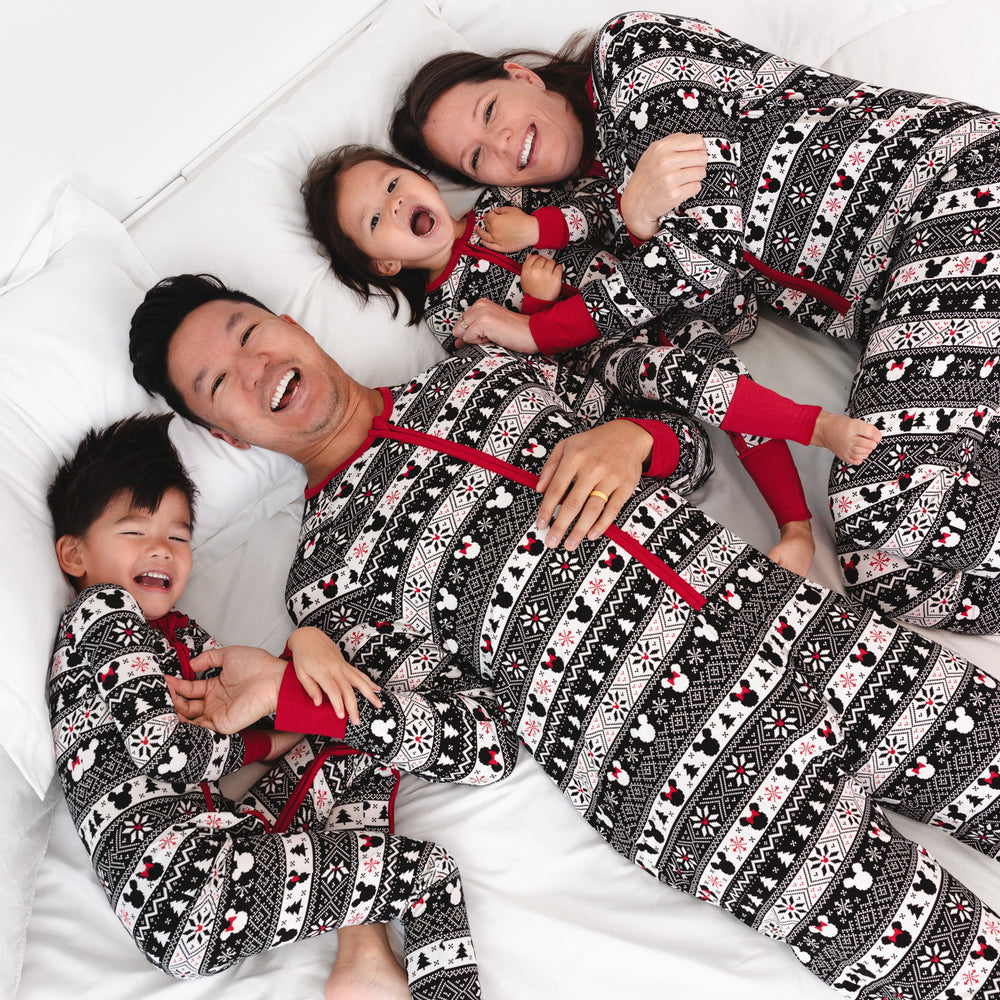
498	551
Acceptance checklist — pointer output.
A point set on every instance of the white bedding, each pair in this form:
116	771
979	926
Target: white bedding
555	913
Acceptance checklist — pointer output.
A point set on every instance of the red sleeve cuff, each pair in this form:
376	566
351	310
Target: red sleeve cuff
666	451
565	325
553	233
531	305
297	714
257	745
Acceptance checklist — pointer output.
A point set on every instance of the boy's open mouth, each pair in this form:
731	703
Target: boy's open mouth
422	222
285	390
153	578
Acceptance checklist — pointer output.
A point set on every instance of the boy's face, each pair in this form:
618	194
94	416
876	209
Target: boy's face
149	554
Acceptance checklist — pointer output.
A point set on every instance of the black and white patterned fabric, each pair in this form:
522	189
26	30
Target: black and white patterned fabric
858	210
200	881
724	724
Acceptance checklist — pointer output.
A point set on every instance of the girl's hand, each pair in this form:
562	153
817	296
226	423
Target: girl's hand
541	278
669	172
484	322
607	459
322	669
507	229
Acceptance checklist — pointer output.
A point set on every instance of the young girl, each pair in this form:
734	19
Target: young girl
385	226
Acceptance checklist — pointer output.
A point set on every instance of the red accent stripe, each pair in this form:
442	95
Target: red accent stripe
812	288
684	590
301	790
247	811
207	793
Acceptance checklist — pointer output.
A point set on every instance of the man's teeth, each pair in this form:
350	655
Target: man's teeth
280	388
529	141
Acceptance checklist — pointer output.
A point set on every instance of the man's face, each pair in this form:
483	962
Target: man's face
255	378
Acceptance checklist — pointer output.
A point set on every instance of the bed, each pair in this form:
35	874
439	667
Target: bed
554	912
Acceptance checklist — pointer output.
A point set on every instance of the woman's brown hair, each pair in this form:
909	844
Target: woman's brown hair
347	261
565	73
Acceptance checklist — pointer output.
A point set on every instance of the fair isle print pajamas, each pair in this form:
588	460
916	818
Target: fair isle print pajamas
859	211
689	368
724	724
200	881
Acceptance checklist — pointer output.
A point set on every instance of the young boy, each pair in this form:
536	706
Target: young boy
201	881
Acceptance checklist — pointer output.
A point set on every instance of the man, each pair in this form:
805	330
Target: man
721	722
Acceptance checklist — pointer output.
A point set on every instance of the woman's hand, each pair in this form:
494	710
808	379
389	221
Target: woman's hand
245	691
604	460
485	322
541	278
507	229
322	669
669	172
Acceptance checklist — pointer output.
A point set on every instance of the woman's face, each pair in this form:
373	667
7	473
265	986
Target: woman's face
510	131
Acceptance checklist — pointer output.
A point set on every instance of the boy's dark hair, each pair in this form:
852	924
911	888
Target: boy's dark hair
564	72
155	322
347	261
133	456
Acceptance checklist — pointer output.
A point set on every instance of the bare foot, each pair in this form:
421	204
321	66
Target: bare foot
849	439
795	550
366	968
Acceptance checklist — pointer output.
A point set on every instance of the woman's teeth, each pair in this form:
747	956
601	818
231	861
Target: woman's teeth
529	142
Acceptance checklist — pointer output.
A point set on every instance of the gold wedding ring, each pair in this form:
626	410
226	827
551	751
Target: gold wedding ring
598	493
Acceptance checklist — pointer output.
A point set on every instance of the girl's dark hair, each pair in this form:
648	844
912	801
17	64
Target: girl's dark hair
154	323
347	261
133	457
564	72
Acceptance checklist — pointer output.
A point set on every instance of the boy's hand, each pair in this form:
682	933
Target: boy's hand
322	669
541	278
507	229
484	322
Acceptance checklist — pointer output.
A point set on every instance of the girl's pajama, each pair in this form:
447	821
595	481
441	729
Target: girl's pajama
726	725
860	211
201	881
691	369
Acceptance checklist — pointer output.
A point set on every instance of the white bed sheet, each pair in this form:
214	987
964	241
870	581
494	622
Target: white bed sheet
555	912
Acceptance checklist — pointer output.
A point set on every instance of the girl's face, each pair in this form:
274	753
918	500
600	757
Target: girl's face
396	217
510	131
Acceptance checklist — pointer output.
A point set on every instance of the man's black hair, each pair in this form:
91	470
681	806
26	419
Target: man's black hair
155	322
133	457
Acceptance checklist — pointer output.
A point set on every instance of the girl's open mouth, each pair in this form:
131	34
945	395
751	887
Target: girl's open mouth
422	222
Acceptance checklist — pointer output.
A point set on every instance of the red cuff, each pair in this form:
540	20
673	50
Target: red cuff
257	745
566	324
666	451
771	468
553	233
297	713
755	409
531	305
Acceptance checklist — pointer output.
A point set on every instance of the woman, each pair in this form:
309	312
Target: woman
860	211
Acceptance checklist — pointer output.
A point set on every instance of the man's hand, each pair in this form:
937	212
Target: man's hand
604	460
321	668
508	229
245	691
541	278
485	322
669	172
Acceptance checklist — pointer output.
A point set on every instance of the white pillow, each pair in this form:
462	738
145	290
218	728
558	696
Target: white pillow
808	31
240	216
64	341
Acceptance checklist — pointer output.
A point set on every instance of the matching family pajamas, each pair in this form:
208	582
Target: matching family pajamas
728	726
857	210
690	369
201	881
